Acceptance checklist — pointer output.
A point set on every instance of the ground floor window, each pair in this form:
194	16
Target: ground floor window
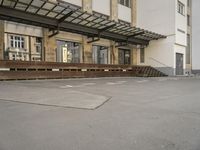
22	47
99	54
124	57
68	52
36	50
142	55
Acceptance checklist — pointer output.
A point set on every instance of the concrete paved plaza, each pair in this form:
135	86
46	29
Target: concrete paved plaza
100	114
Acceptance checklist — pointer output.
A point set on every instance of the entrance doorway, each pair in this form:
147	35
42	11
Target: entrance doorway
68	52
124	57
179	64
99	54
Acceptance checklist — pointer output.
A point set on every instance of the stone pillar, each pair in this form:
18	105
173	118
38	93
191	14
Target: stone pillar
87	5
114	10
1	40
134	12
87	47
113	54
49	50
134	56
87	51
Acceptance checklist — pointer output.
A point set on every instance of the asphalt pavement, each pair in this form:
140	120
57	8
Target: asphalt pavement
101	114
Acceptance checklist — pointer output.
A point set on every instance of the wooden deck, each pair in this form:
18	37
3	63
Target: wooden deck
24	70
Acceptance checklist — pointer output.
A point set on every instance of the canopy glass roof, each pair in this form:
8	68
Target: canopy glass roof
63	12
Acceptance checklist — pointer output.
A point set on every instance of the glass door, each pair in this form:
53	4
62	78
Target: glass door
100	54
68	52
124	57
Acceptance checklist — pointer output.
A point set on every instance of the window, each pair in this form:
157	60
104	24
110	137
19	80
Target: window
38	45
17	42
188	3
181	8
188	49
99	54
142	51
188	20
124	57
126	3
68	52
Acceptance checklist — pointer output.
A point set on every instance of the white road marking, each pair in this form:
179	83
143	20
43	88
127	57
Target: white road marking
162	80
116	83
85	84
81	85
142	81
66	86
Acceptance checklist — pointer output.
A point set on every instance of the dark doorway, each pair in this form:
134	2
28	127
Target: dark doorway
179	64
124	57
99	54
68	52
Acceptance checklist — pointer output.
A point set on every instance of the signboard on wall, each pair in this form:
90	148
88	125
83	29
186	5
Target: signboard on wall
64	50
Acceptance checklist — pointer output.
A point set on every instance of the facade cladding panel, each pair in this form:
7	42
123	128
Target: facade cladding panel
101	6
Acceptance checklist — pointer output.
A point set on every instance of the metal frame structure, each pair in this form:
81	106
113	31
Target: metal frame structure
61	16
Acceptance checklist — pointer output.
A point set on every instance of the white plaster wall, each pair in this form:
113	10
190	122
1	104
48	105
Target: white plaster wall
159	53
101	6
157	15
18	28
124	13
75	2
195	35
181	23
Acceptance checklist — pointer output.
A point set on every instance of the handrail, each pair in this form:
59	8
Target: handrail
159	62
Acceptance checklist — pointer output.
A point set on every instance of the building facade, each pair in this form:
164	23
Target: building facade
171	55
173	19
31	43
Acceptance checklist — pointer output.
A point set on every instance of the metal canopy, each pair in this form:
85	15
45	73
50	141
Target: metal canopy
59	15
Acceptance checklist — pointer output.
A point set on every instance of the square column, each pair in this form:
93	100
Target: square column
113	54
87	51
49	50
87	47
87	5
114	10
134	56
134	12
1	40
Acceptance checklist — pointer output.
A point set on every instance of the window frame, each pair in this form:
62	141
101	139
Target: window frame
126	3
142	55
181	8
17	41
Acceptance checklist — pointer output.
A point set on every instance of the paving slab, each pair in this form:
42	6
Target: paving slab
52	97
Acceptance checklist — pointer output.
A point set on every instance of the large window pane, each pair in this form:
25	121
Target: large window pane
100	54
68	52
124	57
142	55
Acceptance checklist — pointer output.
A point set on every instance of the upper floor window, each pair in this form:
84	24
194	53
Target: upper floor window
126	3
188	20
17	41
181	8
188	3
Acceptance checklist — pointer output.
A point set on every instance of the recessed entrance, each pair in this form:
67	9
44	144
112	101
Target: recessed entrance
68	52
179	64
124	57
99	54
